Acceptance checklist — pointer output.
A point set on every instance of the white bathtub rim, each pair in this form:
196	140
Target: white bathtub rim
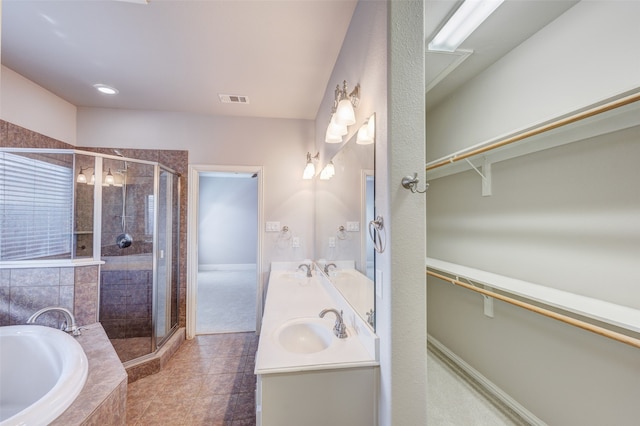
70	382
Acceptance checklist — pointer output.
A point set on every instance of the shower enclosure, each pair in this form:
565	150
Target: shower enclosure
139	236
71	207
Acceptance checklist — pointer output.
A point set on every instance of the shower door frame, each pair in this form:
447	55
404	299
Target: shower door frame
168	254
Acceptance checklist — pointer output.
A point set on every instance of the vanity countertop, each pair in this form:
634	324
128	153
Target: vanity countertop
291	295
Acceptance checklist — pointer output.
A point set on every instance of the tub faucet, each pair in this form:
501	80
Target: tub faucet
69	325
339	329
308	268
326	267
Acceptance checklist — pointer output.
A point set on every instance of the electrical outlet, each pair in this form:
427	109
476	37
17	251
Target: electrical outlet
353	226
332	242
272	227
295	242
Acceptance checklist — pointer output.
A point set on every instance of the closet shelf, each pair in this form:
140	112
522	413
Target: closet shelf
612	115
600	310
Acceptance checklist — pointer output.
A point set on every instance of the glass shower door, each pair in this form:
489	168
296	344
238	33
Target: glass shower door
166	256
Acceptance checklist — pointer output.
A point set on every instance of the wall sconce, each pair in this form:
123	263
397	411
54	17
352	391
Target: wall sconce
328	172
342	112
367	132
82	178
310	169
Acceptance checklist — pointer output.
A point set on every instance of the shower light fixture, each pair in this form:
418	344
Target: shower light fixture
462	23
310	169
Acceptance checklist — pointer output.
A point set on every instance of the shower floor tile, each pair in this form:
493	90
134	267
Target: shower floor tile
209	381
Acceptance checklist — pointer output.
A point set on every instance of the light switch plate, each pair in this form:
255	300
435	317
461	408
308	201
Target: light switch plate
353	226
295	242
332	242
272	227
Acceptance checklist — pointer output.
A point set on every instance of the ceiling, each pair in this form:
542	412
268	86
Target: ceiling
512	23
180	55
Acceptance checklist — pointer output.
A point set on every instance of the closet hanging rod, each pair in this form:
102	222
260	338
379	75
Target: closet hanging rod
617	103
623	338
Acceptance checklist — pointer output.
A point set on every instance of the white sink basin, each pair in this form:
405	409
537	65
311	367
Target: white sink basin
305	335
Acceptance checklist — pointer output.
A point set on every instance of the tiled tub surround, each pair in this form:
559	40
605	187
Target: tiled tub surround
24	291
14	136
102	401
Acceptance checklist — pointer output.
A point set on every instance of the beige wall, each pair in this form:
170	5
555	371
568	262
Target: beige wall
565	218
28	105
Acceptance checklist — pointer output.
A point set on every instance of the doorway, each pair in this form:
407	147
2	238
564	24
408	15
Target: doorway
224	290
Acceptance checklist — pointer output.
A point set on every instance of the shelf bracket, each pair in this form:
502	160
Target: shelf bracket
485	174
488	303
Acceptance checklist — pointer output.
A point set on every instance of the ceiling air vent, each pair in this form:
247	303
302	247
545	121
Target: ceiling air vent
233	99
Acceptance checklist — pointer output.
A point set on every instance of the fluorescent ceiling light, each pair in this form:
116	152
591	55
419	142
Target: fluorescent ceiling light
467	18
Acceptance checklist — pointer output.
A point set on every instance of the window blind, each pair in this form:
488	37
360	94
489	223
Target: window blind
36	200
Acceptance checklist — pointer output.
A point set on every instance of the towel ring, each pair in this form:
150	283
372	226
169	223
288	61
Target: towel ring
376	229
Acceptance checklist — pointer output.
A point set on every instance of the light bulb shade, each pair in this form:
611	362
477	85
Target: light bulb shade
371	127
345	115
81	177
335	128
364	138
309	171
328	172
331	138
324	175
109	180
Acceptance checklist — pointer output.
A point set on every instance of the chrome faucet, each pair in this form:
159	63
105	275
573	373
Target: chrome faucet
303	266
69	325
339	329
326	267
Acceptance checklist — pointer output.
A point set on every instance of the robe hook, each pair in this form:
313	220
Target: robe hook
411	183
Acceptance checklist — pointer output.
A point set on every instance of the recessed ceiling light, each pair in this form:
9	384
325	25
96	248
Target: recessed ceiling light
107	90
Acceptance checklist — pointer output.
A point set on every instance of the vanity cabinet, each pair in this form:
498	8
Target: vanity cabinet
306	376
341	397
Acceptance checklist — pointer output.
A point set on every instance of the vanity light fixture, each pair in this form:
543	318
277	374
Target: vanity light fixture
109	180
344	104
342	112
82	178
310	169
107	90
367	132
462	23
328	172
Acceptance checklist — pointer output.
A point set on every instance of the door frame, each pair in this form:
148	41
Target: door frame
192	239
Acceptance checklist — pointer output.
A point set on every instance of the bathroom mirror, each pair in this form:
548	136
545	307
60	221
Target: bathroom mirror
344	207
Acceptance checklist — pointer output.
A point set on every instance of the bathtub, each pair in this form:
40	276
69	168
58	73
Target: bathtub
42	371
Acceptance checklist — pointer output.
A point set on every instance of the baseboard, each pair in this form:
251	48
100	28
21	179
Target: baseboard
227	267
487	385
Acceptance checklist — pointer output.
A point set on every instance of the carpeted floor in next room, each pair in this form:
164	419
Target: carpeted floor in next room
209	381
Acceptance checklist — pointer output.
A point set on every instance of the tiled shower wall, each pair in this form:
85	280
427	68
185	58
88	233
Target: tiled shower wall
25	290
125	303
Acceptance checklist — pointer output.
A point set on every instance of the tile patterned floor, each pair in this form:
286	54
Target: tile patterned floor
209	381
